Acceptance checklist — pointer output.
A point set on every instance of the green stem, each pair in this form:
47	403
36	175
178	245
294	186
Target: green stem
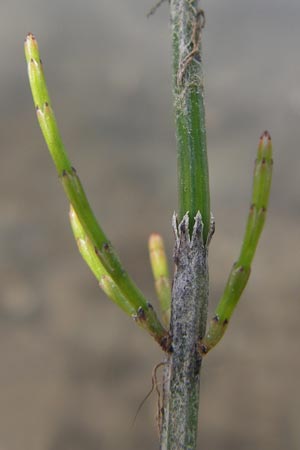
240	272
192	235
77	198
193	180
87	251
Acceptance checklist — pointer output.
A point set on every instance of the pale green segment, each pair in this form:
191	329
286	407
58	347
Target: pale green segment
160	272
35	71
241	269
76	194
216	330
37	80
42	103
260	198
236	283
113	292
47	122
89	255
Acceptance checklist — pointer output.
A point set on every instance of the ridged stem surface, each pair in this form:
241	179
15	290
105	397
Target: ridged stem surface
190	285
187	19
241	269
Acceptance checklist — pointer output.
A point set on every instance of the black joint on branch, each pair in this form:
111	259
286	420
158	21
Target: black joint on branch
105	246
203	348
166	343
141	314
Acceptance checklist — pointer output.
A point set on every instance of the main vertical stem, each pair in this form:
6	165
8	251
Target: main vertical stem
179	422
188	323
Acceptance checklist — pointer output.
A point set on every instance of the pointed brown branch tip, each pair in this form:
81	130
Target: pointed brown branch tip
30	36
266	135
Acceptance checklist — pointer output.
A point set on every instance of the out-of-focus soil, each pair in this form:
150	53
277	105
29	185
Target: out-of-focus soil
73	368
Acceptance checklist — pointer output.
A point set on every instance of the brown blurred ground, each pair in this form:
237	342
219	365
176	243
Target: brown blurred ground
73	368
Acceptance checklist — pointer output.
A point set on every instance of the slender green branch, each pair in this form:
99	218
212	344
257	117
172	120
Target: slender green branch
160	271
106	283
241	269
193	181
89	255
76	195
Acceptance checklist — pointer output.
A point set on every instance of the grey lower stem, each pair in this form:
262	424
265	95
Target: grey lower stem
188	323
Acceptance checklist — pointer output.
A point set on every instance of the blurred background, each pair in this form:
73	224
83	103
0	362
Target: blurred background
73	367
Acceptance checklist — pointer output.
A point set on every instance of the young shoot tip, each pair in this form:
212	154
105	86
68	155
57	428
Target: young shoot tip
265	135
30	36
265	147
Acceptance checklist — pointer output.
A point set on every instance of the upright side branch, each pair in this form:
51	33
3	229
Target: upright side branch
240	272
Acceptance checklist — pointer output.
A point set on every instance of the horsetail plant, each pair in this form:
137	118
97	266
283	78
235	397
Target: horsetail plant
182	334
107	257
